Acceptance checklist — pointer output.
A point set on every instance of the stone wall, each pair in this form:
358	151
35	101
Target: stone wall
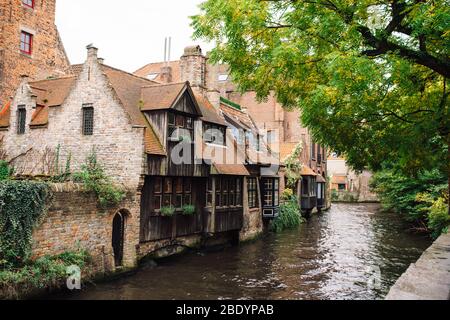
48	57
70	225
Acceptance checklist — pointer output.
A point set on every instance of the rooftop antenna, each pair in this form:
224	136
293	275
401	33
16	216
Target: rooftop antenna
170	48
165	51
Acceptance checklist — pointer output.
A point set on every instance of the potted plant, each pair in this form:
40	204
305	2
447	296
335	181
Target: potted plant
188	210
167	211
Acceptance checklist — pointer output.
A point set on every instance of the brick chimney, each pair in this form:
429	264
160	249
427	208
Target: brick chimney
166	74
193	67
92	52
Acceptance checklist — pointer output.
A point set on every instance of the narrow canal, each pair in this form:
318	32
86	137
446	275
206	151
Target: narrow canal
332	256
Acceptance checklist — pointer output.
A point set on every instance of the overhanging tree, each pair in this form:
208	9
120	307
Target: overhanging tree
370	77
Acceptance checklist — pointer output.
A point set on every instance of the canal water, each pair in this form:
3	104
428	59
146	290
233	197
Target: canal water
352	251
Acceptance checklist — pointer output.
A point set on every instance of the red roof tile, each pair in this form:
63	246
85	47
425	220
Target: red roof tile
307	171
5	113
229	169
161	96
52	92
210	114
39	117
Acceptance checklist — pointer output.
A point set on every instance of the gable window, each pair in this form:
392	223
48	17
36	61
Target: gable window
21	119
26	42
180	126
28	3
252	192
88	120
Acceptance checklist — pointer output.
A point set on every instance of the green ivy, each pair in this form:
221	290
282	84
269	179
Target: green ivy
93	176
22	206
5	170
289	217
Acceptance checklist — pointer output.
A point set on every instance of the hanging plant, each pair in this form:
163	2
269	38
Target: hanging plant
168	211
188	210
294	166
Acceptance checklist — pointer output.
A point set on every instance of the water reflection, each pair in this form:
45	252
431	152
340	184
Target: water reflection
332	256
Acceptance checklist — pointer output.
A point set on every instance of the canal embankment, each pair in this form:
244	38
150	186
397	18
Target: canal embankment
429	277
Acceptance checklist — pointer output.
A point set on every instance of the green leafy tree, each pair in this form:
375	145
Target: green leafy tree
370	78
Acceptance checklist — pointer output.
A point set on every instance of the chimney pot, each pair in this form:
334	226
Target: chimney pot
101	60
92	51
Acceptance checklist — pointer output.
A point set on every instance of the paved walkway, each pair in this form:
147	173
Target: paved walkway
429	277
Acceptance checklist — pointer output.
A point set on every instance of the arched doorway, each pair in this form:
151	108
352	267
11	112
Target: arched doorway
118	234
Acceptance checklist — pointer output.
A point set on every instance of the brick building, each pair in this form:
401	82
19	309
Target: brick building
29	44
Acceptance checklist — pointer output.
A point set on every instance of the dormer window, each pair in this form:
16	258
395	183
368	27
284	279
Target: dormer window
28	3
214	134
152	76
26	43
21	119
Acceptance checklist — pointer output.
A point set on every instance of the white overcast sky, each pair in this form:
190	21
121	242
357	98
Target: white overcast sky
128	34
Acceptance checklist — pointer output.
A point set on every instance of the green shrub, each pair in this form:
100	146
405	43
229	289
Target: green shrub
419	199
22	205
48	271
93	176
188	210
5	170
168	211
290	216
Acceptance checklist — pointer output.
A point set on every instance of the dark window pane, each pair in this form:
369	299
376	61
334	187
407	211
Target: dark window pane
21	120
218	202
158	185
179	201
88	121
179	185
157	202
187	199
168	185
187	185
167	200
171	119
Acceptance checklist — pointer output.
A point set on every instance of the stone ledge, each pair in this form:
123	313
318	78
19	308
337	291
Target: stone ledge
429	277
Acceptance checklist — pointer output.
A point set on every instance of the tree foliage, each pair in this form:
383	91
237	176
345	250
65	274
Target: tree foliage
369	77
421	200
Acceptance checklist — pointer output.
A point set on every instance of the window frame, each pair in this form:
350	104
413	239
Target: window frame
227	187
273	192
209	137
26	47
84	125
169	190
252	191
21	119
